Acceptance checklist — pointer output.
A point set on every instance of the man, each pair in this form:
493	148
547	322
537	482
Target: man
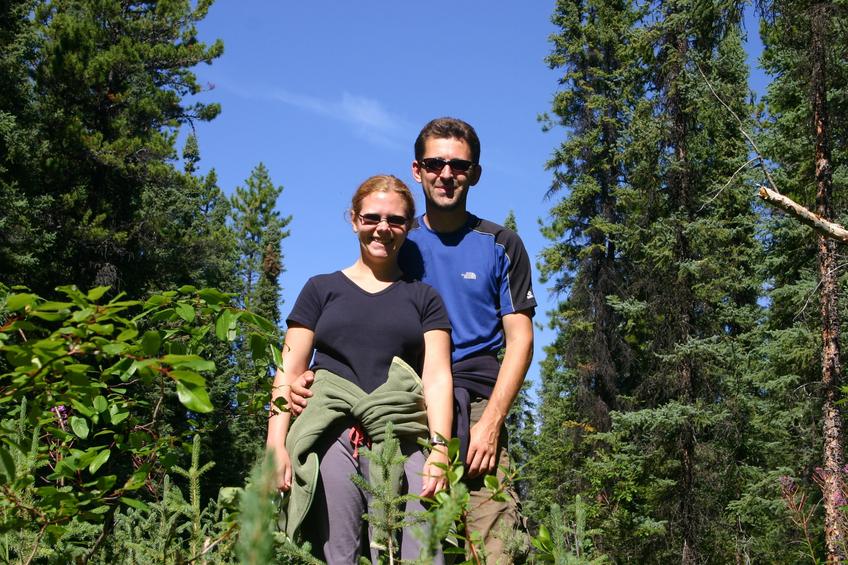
482	272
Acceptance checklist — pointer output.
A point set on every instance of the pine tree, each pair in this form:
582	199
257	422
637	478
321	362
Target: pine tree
106	85
21	239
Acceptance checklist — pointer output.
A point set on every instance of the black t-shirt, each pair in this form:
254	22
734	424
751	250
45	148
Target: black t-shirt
357	333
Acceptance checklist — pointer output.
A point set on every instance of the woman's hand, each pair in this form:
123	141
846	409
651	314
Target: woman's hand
284	468
434	475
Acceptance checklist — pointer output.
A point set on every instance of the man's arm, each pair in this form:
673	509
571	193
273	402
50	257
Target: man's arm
483	444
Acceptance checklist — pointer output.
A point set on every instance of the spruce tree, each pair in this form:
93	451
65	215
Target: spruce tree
259	229
692	290
586	367
677	248
521	420
187	233
805	138
237	432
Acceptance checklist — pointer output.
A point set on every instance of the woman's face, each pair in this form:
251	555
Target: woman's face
381	225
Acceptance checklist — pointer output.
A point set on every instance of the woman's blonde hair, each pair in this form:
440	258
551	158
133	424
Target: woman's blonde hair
383	183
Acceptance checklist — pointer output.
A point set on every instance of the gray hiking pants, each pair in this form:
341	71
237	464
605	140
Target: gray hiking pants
335	523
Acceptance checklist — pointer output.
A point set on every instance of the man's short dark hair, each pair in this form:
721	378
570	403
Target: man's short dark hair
447	128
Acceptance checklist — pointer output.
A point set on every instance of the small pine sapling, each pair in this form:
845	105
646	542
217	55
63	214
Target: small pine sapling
386	515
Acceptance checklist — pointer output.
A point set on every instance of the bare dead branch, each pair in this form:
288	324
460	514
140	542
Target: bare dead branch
772	195
754	148
824	227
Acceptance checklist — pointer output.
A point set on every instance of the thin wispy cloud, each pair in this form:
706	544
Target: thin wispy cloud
366	116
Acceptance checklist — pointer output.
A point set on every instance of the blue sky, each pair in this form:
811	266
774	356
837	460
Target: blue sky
328	93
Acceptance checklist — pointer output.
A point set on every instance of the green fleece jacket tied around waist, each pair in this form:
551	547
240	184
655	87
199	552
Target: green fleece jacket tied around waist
400	400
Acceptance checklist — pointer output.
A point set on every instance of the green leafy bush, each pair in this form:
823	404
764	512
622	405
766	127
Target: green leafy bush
85	380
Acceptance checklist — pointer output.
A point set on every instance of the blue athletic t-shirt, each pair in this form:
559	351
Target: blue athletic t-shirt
482	273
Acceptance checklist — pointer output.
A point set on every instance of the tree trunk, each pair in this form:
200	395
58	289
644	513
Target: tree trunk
682	189
832	479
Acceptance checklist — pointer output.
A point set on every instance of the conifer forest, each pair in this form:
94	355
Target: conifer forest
690	408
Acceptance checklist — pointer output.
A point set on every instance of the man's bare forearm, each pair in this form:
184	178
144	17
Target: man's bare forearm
518	334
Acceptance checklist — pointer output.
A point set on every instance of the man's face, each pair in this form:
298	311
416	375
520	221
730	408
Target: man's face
447	188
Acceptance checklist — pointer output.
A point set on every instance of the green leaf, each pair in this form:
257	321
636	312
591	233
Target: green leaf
277	356
194	397
16	302
150	343
96	294
188	377
82	314
213	296
258	344
106	482
226	320
185	311
544	535
117	415
259	321
100	403
114	348
156	300
7	467
187	289
72	292
55	531
165	315
82	408
48	316
98	462
189	362
492	482
229	496
137	480
135	503
127	334
102	329
80	426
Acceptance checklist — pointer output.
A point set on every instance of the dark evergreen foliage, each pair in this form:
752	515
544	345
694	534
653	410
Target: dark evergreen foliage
654	249
91	117
680	412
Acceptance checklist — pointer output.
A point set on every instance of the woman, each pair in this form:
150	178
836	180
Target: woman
369	328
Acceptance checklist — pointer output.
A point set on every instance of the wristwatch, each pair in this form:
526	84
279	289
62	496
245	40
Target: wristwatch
436	439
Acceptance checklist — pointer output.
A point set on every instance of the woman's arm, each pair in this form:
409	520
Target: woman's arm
438	394
297	350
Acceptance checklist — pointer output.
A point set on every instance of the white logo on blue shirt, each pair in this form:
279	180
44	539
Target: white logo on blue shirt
469	276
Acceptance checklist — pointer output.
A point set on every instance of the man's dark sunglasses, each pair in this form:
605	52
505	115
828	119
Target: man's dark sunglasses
375	219
437	164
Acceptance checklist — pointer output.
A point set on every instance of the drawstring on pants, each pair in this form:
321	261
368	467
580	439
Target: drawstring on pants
358	437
